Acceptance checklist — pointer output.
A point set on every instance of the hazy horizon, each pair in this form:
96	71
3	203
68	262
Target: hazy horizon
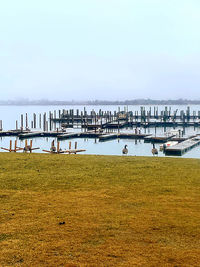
105	50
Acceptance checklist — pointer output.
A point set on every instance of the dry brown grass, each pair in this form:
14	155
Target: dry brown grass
118	211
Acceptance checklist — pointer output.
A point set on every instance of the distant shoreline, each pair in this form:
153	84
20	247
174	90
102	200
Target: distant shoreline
137	102
40	105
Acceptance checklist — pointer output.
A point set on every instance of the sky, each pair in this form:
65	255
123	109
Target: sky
99	49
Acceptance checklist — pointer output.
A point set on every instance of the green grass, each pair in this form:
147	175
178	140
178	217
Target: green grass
118	211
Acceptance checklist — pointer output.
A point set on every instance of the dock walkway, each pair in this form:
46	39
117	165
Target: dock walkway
35	134
158	139
183	147
106	137
68	135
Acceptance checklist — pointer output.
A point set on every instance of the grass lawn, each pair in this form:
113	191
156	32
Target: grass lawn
73	210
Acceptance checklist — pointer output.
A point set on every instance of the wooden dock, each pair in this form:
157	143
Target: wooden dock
68	135
90	134
116	124
183	147
12	133
117	119
181	139
30	135
133	136
157	139
106	137
35	134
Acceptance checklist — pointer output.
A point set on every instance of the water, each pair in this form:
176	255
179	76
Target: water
9	115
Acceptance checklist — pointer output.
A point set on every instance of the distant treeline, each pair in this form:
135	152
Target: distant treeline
102	102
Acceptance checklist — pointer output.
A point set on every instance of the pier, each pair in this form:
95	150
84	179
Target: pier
68	135
183	147
106	137
108	125
158	139
105	120
119	119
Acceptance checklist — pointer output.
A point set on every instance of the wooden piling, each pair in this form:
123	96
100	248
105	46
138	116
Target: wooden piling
22	122
34	121
44	122
26	121
40	121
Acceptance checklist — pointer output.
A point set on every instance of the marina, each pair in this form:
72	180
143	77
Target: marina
107	127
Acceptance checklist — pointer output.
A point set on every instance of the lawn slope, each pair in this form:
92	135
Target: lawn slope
73	210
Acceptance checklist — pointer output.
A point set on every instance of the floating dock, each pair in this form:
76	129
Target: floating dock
30	135
90	134
116	124
133	136
157	139
68	135
183	147
106	137
35	134
12	133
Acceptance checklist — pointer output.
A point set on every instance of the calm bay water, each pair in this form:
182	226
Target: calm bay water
9	115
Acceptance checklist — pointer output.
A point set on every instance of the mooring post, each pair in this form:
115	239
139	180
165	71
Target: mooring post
40	121
22	126
50	121
85	124
118	123
188	113
46	126
194	115
44	122
34	121
95	123
26	121
73	117
55	123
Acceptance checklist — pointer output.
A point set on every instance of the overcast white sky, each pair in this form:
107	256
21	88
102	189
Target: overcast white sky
99	49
